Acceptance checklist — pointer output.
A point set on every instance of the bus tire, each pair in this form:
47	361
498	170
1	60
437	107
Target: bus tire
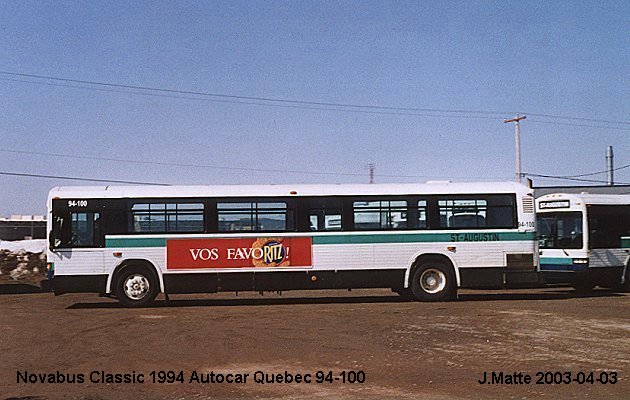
433	281
406	294
137	286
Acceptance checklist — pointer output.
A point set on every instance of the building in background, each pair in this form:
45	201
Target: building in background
602	189
20	227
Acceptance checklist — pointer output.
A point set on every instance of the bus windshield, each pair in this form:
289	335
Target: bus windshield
560	230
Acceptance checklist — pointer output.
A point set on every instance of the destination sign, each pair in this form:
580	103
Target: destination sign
545	205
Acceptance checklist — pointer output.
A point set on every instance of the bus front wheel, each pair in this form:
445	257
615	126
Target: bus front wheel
136	286
433	281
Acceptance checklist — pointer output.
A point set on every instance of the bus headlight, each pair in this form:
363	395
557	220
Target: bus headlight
580	261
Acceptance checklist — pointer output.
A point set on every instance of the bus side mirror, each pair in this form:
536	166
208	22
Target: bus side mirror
51	241
54	237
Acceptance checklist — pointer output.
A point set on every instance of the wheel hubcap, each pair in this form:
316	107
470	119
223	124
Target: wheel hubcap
136	287
432	281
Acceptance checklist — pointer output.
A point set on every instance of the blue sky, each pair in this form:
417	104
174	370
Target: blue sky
559	58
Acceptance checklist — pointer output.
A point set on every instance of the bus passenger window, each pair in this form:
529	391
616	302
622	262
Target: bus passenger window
85	230
325	214
166	217
255	216
380	214
492	211
607	224
464	213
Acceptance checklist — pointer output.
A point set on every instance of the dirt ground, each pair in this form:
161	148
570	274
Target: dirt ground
406	350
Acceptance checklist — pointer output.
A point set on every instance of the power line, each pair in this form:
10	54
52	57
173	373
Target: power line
299	102
302	107
570	179
599	172
73	178
173	164
579	118
83	179
191	165
230	96
580	125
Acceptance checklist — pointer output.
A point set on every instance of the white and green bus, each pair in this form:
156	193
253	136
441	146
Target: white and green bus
584	239
421	240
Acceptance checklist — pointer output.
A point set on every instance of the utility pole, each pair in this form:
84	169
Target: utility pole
371	167
518	144
609	166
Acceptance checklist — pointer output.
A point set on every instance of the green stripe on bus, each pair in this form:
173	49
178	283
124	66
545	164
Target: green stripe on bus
556	260
625	242
424	238
361	239
136	242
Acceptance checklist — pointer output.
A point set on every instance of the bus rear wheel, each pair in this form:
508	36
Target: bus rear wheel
136	286
433	281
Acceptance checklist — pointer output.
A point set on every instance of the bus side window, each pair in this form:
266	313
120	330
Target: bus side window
85	230
463	213
489	211
325	214
607	225
380	214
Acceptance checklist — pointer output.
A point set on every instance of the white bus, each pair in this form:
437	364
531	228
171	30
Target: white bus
422	240
584	239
